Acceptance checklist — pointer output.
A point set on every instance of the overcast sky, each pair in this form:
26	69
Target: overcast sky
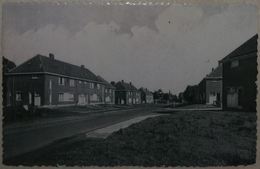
166	47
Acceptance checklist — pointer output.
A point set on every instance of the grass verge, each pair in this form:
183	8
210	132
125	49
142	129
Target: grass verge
190	138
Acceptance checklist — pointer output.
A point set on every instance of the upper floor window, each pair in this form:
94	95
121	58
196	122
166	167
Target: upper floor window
98	86
61	81
234	63
80	82
35	77
72	82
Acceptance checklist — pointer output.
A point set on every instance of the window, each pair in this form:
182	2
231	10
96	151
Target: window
61	97
35	77
65	97
98	86
72	82
18	96
80	82
92	85
234	63
85	82
68	97
61	81
50	84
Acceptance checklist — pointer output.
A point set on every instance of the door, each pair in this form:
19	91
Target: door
232	99
212	99
81	99
30	98
37	99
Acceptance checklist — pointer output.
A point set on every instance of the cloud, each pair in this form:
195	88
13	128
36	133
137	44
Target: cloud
169	56
74	16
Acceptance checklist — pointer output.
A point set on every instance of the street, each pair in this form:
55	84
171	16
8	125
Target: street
19	141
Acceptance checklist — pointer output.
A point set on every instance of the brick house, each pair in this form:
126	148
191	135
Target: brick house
146	96
214	87
109	93
239	77
7	67
127	93
45	81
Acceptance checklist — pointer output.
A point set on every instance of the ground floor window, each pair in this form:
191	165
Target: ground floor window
94	97
18	96
61	97
65	97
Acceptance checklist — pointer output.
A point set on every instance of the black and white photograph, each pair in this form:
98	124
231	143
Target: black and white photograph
113	83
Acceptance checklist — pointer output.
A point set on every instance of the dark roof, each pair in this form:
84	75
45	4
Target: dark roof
45	64
248	47
107	84
216	73
121	85
7	65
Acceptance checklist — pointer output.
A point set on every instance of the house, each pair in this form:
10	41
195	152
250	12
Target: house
213	83
109	93
7	67
126	93
45	81
239	77
146	96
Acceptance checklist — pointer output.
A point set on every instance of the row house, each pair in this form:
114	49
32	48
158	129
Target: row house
239	77
209	90
45	81
126	93
213	85
7	67
146	96
109	93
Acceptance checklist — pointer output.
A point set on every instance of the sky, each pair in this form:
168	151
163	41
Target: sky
158	47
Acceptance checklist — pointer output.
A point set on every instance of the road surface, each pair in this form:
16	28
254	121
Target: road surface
19	141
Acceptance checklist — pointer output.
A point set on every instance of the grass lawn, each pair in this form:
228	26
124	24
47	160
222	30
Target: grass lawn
181	139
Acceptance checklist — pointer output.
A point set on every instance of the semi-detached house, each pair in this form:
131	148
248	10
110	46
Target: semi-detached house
45	81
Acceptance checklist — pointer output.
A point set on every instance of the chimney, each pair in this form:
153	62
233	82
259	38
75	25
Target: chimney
82	66
51	56
130	83
122	81
212	69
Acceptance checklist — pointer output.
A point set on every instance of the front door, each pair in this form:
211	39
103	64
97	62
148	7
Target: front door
37	99
81	99
232	100
212	99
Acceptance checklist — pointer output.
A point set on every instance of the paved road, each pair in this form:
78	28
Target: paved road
17	142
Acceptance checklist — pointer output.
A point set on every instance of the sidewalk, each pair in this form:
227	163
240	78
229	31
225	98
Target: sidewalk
105	132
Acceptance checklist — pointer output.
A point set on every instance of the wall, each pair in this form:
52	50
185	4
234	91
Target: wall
243	76
76	90
213	86
24	84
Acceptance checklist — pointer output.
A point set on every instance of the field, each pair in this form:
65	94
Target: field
190	138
